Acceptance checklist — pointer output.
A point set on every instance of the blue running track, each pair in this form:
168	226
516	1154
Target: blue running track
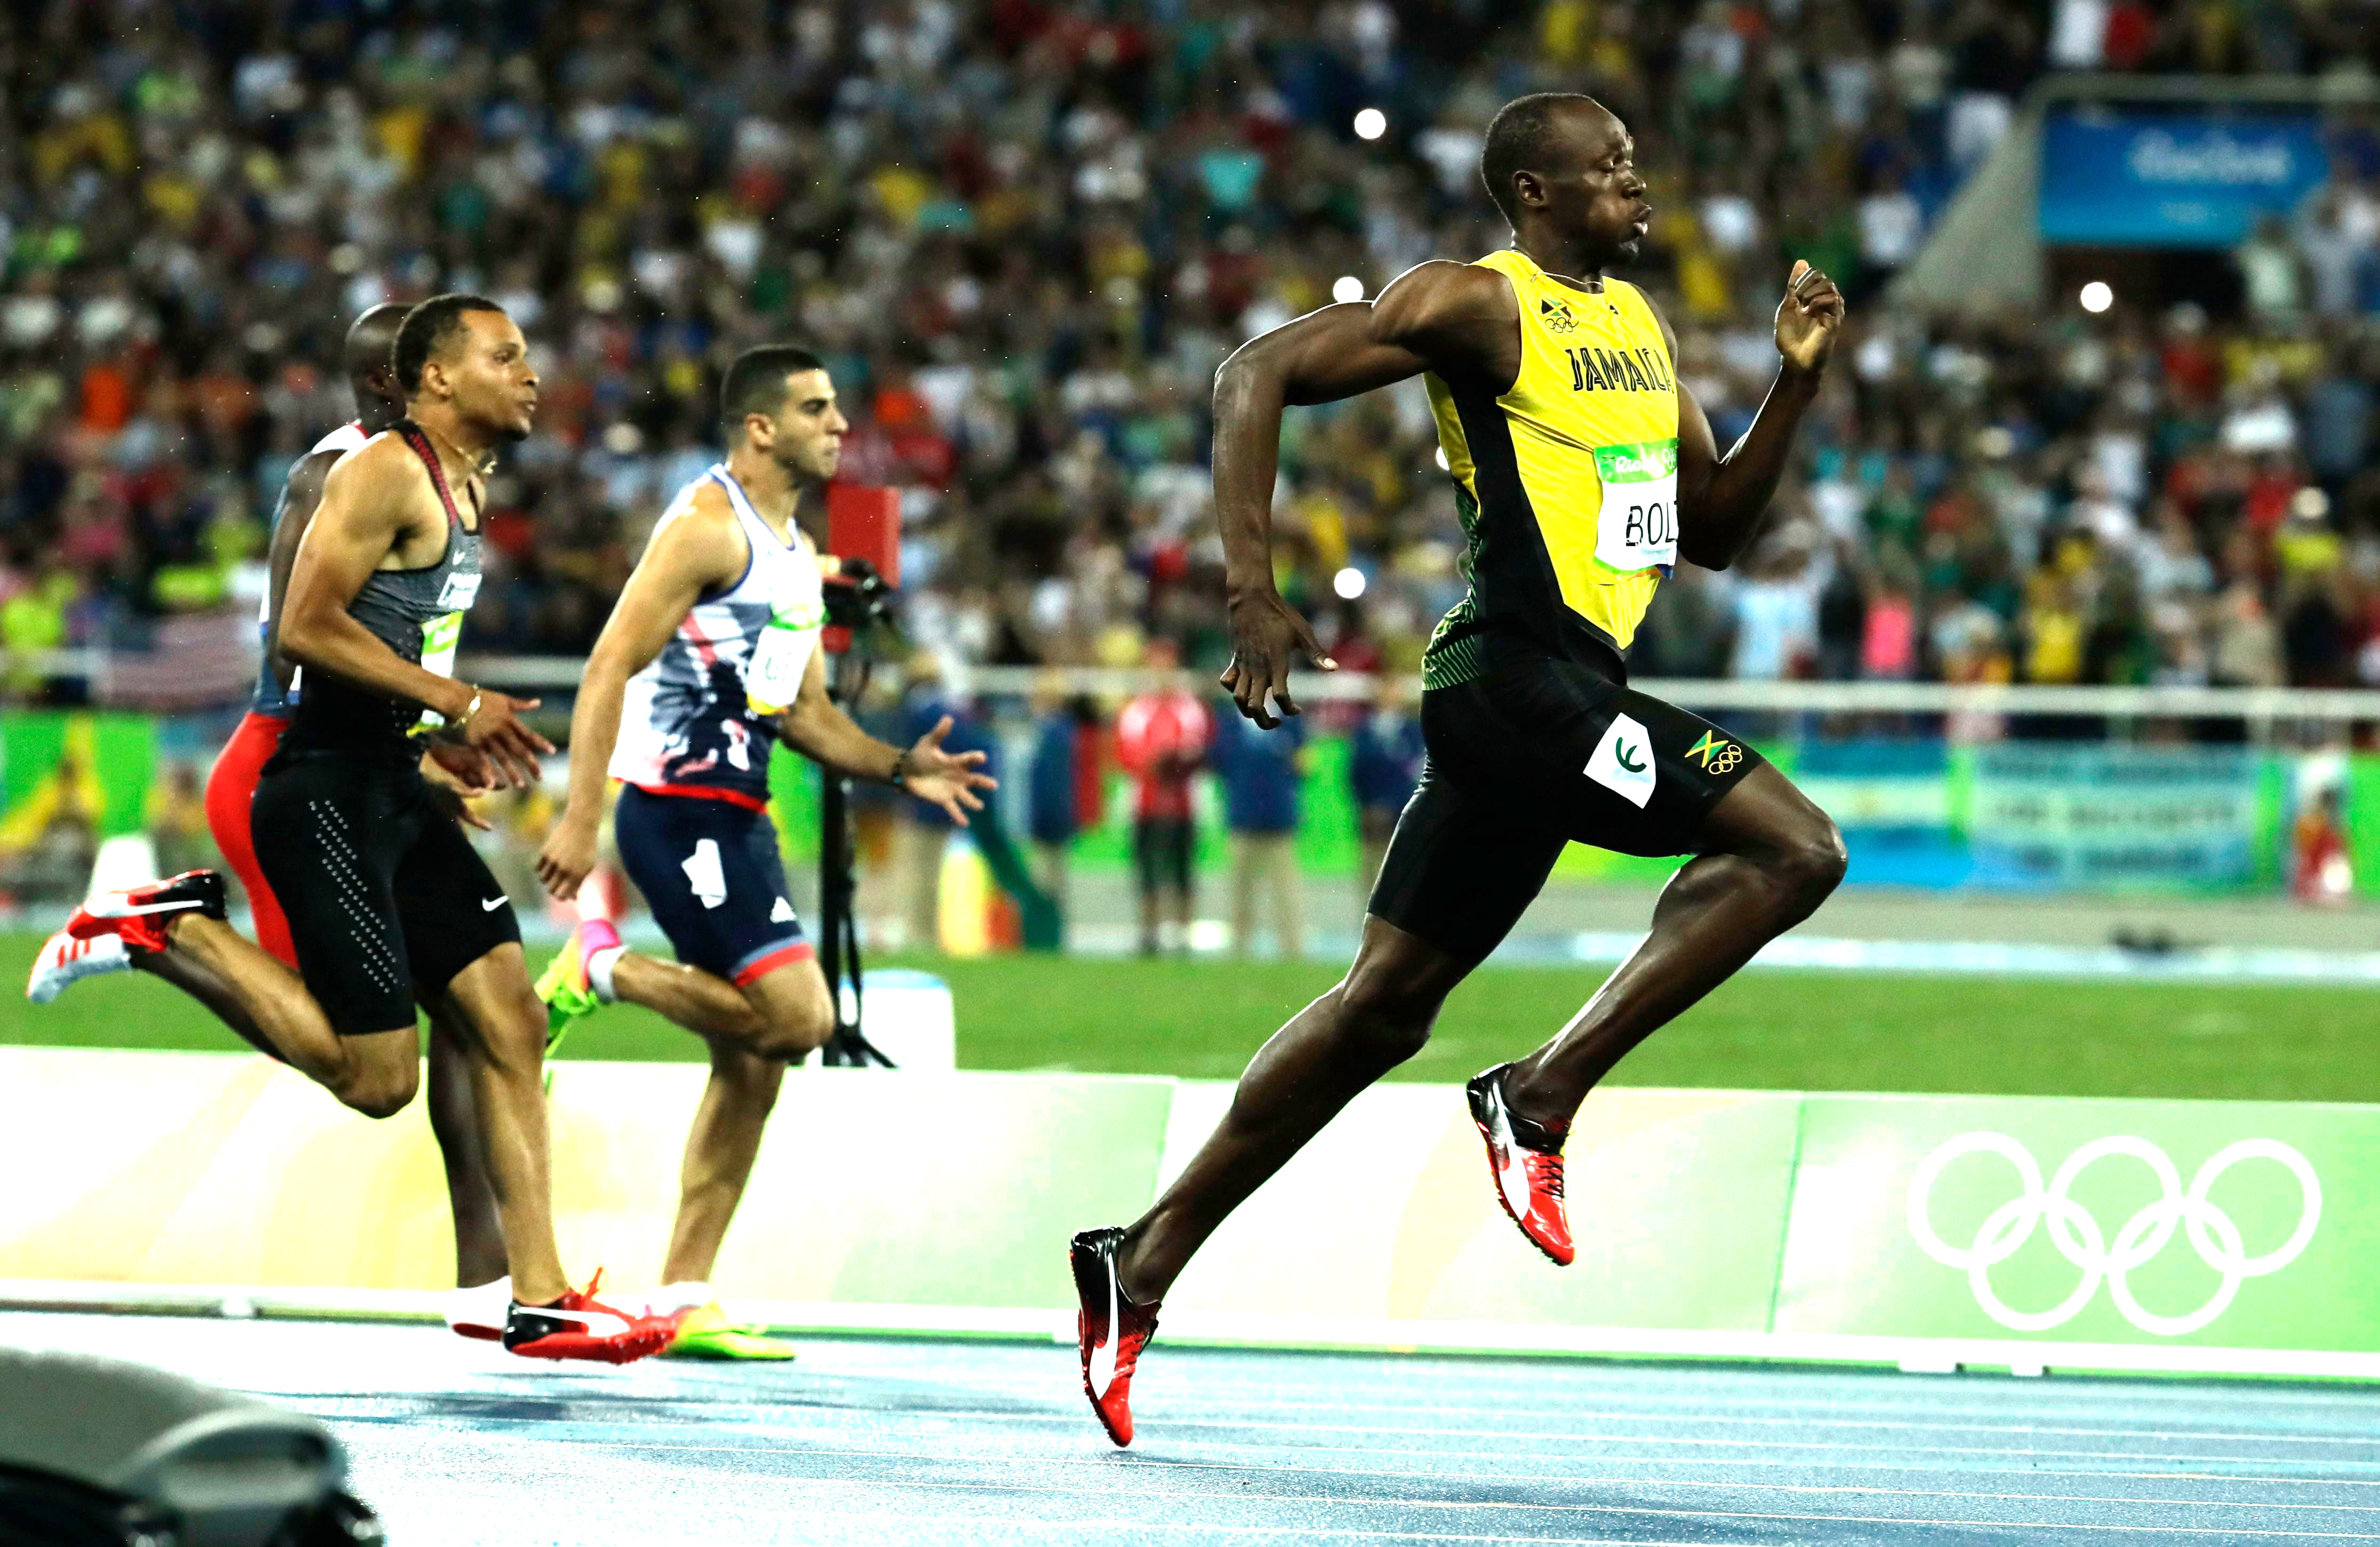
886	1441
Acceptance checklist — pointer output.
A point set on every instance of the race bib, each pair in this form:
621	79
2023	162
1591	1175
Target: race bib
1638	526
772	677
440	637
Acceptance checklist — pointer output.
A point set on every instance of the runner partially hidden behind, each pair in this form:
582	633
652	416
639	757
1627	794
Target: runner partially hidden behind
67	958
1582	471
387	902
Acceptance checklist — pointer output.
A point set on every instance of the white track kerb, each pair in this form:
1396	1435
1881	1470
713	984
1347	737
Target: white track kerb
1923	1233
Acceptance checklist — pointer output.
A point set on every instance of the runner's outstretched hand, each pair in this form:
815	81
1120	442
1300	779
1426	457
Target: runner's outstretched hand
497	730
945	778
1266	631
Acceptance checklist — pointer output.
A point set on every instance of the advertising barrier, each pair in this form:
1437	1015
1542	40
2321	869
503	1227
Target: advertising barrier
1923	1232
2059	815
2162	179
2080	815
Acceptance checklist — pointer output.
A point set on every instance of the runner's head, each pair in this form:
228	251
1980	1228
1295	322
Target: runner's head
461	355
372	372
777	400
1562	169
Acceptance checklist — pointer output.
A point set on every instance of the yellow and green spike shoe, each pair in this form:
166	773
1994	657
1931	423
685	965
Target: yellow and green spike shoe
703	1332
564	986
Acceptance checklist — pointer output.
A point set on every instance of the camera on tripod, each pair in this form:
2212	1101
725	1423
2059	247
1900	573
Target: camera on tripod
857	596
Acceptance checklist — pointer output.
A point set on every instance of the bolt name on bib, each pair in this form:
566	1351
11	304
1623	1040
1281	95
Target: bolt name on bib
1637	529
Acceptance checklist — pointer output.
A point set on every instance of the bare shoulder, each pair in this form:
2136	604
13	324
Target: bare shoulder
310	470
1441	291
381	477
701	540
1461	318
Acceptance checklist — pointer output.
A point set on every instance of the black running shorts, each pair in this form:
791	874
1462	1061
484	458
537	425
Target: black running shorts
712	873
385	896
1530	755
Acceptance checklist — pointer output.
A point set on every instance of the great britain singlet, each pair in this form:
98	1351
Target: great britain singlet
686	728
1567	483
417	613
270	697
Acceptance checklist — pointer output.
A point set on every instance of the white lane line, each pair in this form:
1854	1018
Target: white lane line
1704	1414
773	1435
1928	1395
1326	1533
1797	1517
888	1417
1147	1462
1550	1438
770	1410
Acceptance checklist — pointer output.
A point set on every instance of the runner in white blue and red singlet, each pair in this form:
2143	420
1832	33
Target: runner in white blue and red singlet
711	656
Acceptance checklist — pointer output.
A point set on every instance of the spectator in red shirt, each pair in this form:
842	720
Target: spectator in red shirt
1162	738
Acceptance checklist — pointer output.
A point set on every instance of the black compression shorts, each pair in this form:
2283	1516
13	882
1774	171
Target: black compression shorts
385	896
1530	755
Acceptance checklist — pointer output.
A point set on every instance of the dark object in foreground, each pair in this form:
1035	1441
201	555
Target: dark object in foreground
99	1453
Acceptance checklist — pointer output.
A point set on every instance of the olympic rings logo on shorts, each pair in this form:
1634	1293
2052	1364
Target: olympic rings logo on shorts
2079	1238
1725	762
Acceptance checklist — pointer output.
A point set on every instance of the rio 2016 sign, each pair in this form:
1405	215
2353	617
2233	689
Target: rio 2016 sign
2141	179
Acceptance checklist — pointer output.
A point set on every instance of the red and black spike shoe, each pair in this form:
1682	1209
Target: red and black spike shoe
579	1326
1525	1164
138	915
1114	1328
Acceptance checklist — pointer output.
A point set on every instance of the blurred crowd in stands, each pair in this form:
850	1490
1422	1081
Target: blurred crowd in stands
1026	232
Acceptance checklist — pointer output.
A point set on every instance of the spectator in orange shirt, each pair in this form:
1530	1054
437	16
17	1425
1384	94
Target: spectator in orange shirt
1163	739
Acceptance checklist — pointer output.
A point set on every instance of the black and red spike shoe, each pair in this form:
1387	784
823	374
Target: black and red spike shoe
1112	1328
1525	1162
138	915
579	1326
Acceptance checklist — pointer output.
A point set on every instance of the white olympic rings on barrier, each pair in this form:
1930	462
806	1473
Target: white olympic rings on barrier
2078	1237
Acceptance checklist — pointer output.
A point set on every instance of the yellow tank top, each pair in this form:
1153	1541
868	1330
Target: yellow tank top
1567	483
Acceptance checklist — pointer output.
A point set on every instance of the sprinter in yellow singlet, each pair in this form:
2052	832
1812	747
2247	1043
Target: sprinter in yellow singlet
1582	471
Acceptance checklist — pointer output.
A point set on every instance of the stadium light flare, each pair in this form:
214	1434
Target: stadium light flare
2097	296
1347	287
1370	124
1348	583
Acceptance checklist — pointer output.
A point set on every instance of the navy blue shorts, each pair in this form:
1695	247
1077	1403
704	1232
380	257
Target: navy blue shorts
711	871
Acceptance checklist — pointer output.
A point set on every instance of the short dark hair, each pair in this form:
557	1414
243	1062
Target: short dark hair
756	381
427	329
1520	139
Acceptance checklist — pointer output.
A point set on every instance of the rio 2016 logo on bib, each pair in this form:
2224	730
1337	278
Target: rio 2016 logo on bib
1637	529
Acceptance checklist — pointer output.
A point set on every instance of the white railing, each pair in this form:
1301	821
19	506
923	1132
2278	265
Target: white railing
2259	708
2254	705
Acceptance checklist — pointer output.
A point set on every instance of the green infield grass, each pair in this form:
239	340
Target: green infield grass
1771	1030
